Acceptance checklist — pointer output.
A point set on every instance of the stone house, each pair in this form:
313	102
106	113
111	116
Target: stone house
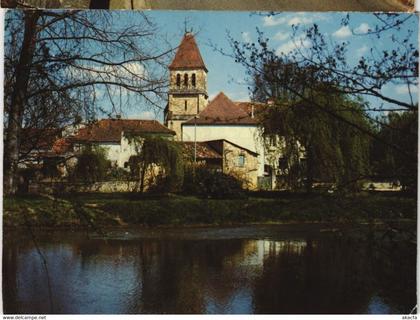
227	157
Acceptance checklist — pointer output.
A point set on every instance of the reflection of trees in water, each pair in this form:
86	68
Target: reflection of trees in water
393	262
339	275
325	279
9	279
334	274
178	275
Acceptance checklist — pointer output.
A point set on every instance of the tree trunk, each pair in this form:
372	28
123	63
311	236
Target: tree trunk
12	143
143	176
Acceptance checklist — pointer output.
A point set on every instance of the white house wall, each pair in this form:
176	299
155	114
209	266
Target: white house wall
246	136
112	150
127	150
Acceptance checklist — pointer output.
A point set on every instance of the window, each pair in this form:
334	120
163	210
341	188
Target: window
186	80
185	105
193	80
178	80
241	160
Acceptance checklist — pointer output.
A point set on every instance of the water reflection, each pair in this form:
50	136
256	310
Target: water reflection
323	274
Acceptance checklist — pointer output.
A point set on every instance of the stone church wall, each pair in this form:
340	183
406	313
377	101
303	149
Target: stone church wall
200	79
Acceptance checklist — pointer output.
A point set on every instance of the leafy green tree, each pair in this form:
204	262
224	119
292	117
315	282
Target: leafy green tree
157	155
92	165
333	151
399	128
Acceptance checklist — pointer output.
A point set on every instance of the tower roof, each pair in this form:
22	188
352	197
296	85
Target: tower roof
188	55
222	110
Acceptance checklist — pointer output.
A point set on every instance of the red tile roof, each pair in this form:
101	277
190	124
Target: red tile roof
222	110
204	150
251	107
188	55
109	130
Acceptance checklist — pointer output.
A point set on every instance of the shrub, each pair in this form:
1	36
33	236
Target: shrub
92	165
49	168
161	184
118	174
215	184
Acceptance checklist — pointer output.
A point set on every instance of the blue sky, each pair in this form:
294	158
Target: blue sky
228	76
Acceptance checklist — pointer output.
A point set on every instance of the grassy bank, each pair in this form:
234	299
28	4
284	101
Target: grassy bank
120	209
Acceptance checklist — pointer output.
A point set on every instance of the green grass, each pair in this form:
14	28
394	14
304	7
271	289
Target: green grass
114	209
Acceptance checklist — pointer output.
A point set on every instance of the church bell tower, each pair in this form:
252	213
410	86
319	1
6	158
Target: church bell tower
188	85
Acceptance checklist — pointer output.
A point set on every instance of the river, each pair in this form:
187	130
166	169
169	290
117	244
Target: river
302	269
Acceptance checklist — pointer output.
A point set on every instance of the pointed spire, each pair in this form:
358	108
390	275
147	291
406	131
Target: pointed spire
188	55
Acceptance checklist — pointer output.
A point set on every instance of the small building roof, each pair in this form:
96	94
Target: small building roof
110	130
188	55
212	149
218	146
204	150
222	110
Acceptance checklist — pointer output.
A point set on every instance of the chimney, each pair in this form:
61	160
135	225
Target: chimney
252	111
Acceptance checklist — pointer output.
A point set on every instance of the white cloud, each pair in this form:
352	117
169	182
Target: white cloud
362	50
301	42
300	18
246	37
343	32
281	36
270	21
363	28
129	70
403	89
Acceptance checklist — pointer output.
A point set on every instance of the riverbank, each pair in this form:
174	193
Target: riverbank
102	210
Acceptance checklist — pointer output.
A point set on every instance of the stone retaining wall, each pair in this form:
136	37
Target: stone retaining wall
67	187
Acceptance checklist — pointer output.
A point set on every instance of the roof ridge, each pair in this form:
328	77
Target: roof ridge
222	110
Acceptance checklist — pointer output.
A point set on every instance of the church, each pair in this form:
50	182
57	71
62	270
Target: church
220	134
194	118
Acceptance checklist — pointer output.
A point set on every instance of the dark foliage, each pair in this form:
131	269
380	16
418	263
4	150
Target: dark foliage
92	165
211	183
400	129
